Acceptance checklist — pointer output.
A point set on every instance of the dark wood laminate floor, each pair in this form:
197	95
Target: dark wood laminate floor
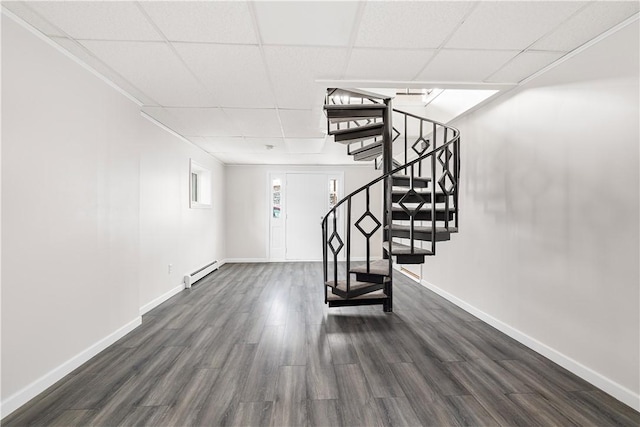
253	345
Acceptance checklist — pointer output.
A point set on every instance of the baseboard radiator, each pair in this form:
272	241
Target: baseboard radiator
190	279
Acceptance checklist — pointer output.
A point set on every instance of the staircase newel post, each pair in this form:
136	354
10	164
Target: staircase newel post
348	244
387	166
456	162
324	255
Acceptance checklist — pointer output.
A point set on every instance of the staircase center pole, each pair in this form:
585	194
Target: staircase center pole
387	159
387	166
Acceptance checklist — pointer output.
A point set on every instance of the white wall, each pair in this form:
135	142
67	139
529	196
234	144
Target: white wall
247	207
170	231
548	242
94	207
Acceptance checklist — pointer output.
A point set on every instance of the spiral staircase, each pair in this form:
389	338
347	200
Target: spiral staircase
403	213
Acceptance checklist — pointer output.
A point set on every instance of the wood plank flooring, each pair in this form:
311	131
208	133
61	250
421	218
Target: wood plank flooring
254	345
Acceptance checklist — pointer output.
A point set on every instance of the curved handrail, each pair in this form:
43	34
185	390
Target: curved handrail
425	119
455	138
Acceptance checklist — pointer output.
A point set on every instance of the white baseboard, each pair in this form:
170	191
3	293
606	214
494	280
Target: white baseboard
162	298
618	391
18	399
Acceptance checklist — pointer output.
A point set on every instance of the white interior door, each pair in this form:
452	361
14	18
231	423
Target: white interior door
307	203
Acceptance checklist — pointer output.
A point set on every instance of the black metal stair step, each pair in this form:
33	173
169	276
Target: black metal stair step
348	112
356	288
376	297
404	254
396	196
405	181
368	152
378	272
359	133
419	232
400	249
358	121
424	214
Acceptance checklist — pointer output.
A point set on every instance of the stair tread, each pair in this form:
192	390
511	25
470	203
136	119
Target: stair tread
426	207
421	191
354	285
421	229
379	294
355	106
364	157
379	267
357	129
372	146
400	249
418	178
356	119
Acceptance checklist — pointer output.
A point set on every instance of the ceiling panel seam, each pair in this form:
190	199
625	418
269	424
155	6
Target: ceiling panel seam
49	40
581	48
175	52
446	39
551	31
256	28
353	36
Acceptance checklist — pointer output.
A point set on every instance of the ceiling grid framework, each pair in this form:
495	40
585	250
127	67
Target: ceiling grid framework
234	77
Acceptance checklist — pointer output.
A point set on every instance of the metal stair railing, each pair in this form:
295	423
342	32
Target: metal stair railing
441	164
338	96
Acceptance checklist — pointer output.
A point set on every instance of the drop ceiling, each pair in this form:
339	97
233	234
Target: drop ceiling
236	77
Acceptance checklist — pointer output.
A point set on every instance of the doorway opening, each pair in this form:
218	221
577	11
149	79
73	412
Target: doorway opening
299	201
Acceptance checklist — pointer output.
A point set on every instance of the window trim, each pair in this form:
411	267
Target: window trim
203	186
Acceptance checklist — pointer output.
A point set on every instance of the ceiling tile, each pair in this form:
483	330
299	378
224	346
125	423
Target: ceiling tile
409	24
523	65
309	23
191	122
330	153
261	145
294	69
235	74
22	9
255	122
587	24
510	25
305	145
203	21
465	65
303	123
98	20
83	54
246	148
382	64
219	144
155	70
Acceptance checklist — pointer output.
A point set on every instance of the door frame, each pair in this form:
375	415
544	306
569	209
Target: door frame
282	174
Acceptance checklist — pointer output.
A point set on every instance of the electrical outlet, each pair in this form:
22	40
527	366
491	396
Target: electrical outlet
170	268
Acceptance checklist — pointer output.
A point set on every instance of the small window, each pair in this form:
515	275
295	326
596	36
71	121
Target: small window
276	187
333	192
194	187
199	186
